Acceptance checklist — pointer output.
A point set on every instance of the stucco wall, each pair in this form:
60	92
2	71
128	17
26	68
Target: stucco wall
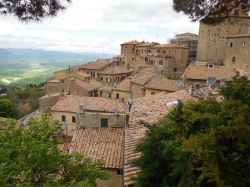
89	119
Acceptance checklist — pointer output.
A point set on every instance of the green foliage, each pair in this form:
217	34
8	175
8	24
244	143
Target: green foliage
200	143
7	109
211	11
26	96
31	157
31	10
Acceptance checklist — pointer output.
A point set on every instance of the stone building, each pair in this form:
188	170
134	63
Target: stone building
48	101
114	74
105	145
80	111
173	57
213	44
201	73
106	92
122	90
238	50
128	48
73	86
93	68
189	40
156	85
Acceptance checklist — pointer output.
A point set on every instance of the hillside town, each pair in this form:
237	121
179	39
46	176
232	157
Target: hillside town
102	104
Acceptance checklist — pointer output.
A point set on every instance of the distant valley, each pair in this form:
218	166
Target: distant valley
19	67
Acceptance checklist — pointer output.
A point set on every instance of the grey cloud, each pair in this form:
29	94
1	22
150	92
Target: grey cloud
139	12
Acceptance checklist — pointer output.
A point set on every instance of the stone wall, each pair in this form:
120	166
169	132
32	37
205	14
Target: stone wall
238	51
213	38
89	119
123	96
127	49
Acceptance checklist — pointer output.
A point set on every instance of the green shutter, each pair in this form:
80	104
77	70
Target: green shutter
104	123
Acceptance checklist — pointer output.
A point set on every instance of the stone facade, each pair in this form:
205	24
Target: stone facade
89	119
212	43
238	51
189	40
121	95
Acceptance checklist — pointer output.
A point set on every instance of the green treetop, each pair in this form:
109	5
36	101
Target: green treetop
31	157
201	143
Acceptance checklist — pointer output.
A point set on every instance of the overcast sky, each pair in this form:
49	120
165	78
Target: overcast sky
97	26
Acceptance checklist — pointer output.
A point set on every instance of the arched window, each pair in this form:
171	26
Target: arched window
243	44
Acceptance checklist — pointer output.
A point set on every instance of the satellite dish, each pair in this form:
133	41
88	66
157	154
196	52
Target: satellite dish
211	80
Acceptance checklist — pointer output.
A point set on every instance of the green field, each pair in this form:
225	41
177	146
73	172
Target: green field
20	67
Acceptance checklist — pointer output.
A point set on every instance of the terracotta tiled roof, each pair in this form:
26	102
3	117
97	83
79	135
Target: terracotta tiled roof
89	85
162	84
148	109
201	72
70	103
124	86
170	46
115	70
82	74
106	88
104	144
96	65
147	44
144	76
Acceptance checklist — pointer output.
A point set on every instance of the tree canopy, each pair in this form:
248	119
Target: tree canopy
211	11
31	157
7	109
27	10
200	143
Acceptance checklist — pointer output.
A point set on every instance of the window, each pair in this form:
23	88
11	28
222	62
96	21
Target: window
160	62
104	123
101	78
243	44
62	90
63	118
100	93
109	95
152	93
231	44
106	79
164	52
133	59
158	51
234	59
119	172
175	69
73	119
117	96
